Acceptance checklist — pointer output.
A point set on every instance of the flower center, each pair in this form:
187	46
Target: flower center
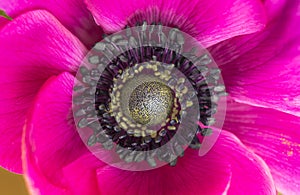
151	102
141	93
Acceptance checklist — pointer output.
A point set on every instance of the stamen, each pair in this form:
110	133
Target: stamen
142	94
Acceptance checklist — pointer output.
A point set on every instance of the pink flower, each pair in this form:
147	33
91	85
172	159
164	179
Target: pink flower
255	43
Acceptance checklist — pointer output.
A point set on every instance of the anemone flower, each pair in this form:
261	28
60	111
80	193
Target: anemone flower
255	44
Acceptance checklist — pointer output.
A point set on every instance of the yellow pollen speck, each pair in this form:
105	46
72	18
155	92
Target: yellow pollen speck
141	68
120	86
143	133
131	125
290	153
153	134
180	80
292	146
172	128
123	125
118	118
137	133
168	78
189	103
184	90
125	119
167	72
288	142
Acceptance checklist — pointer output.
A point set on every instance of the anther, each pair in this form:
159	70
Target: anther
195	144
206	131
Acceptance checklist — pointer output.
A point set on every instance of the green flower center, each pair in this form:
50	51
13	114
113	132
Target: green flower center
151	102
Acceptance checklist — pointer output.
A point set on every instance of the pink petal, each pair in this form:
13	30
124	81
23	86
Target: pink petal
210	21
262	69
81	175
274	136
51	138
228	159
31	184
274	7
33	47
73	14
164	180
